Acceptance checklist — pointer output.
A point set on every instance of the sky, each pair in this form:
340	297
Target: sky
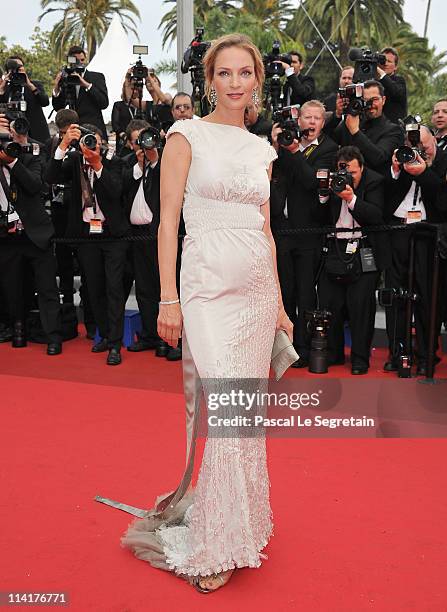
18	24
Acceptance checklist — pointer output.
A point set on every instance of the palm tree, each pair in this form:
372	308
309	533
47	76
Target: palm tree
224	16
346	22
86	21
202	8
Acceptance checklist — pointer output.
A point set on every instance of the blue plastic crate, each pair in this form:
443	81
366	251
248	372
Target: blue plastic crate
132	325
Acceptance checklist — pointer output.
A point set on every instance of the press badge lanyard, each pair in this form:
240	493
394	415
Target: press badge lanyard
90	201
415	214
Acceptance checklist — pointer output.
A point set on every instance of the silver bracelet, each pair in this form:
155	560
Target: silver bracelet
166	302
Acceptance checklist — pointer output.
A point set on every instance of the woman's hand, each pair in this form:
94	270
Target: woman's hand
170	323
283	322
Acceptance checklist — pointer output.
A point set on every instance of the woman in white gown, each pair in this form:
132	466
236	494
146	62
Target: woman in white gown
230	308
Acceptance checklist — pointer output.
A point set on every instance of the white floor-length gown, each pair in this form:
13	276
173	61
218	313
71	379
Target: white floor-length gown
229	302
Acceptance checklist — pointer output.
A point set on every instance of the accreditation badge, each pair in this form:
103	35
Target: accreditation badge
95	226
414	216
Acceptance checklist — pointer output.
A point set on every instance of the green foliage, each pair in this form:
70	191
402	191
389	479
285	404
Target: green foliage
85	22
39	59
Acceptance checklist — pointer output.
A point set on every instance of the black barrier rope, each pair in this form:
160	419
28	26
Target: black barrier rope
328	229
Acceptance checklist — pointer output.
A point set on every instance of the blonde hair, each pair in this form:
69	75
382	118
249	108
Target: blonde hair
315	104
225	42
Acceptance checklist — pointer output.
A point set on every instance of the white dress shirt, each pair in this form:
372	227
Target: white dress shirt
87	213
408	202
4	204
140	213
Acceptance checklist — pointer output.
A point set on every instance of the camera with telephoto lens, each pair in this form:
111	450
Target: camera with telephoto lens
318	322
335	181
271	61
15	78
14	113
194	54
352	96
287	119
88	140
139	72
408	154
365	63
149	138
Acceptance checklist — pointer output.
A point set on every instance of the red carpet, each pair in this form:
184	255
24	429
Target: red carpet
359	524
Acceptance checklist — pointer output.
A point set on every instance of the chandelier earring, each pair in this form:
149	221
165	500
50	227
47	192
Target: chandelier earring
213	96
255	97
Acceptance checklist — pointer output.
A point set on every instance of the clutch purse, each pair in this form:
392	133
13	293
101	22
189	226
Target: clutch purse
283	353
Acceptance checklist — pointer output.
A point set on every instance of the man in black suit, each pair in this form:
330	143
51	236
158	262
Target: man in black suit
298	88
354	207
346	76
297	165
32	93
25	233
91	93
412	196
95	210
395	87
255	122
141	192
375	135
439	122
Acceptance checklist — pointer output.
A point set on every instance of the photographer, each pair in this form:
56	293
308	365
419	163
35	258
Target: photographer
395	87
141	189
412	196
14	87
182	106
353	261
297	165
439	122
25	233
95	211
374	134
90	94
123	112
346	76
298	88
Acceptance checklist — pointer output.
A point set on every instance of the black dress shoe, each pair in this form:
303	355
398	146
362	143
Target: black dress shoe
143	345
54	348
18	335
390	366
100	347
300	363
174	354
359	370
114	356
162	349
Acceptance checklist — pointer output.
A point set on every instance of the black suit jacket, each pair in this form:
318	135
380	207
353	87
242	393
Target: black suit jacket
368	210
121	116
395	107
151	191
34	113
300	87
107	189
301	187
26	176
89	104
430	183
377	139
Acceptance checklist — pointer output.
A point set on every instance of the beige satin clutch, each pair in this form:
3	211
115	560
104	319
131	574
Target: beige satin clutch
283	353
